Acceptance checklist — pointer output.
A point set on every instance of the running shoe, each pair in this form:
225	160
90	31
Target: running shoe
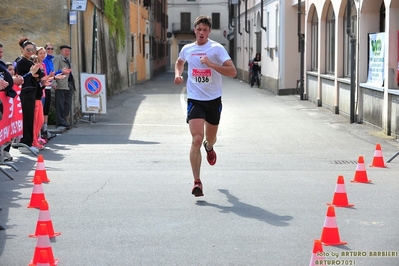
197	189
210	155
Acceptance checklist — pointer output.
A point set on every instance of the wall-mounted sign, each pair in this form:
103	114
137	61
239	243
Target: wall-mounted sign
73	17
79	5
376	59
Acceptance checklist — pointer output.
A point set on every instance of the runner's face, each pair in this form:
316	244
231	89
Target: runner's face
201	33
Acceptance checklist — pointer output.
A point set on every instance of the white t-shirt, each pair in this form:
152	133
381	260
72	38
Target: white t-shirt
203	83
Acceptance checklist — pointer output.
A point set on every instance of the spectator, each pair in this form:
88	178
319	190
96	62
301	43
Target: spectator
18	80
28	91
256	70
64	88
9	82
46	82
38	115
48	61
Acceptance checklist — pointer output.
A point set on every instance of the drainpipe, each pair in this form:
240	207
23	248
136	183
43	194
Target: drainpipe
261	16
352	60
239	18
246	11
247	29
301	51
231	26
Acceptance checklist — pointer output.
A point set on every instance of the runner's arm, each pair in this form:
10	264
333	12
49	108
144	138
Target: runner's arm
179	68
227	69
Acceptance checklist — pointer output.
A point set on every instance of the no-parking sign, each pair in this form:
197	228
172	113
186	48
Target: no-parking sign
93	93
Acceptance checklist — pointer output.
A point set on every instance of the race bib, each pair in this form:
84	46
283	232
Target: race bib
201	75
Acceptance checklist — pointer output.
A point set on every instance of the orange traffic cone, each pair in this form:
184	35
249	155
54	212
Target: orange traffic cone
361	174
43	246
330	234
378	160
340	198
37	193
316	255
43	259
41	169
44	217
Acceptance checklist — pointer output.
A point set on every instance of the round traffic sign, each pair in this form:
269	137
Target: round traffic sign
93	85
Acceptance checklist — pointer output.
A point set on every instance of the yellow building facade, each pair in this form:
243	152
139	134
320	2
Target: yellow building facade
140	43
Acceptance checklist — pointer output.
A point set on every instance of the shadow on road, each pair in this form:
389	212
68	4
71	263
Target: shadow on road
248	211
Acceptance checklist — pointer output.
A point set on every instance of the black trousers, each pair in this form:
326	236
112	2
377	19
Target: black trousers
63	103
47	102
28	100
255	77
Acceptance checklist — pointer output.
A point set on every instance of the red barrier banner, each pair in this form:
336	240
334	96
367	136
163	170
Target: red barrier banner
11	122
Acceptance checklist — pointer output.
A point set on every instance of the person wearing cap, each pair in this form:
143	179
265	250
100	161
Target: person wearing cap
48	62
64	88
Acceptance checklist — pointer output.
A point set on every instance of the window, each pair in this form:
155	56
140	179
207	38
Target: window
143	36
185	21
346	38
330	40
216	21
314	42
132	40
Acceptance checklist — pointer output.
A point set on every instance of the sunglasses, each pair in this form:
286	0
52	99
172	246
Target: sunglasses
31	50
49	48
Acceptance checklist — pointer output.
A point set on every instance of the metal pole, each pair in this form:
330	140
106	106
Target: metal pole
352	107
301	39
353	80
94	42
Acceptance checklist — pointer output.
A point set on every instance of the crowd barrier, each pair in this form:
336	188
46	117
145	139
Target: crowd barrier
10	125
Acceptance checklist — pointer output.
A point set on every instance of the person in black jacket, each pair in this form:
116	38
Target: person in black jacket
29	89
256	70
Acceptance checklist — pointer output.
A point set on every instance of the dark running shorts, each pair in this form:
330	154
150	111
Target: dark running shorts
208	110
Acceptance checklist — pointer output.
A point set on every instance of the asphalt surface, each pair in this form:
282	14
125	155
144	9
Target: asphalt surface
120	189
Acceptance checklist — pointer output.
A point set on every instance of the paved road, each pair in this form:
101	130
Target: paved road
120	190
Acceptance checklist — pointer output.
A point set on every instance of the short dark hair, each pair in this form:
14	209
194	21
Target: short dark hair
204	20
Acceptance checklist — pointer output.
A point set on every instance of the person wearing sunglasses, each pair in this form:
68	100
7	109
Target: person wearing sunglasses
30	72
48	62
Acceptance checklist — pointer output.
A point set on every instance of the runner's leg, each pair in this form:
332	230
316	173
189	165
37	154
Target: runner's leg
196	126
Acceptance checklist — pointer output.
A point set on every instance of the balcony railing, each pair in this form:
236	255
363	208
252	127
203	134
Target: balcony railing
182	28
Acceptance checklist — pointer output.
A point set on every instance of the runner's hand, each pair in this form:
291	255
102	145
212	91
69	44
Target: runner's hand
179	79
205	60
